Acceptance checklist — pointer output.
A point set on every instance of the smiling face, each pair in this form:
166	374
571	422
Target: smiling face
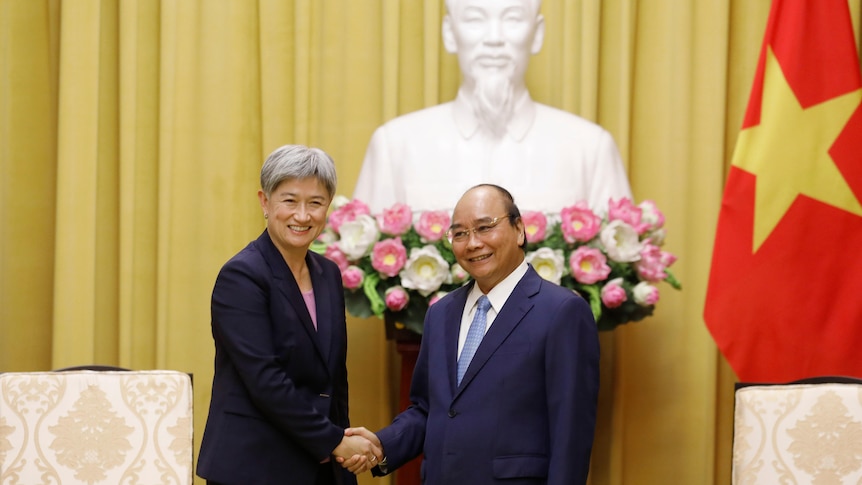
493	38
493	255
296	213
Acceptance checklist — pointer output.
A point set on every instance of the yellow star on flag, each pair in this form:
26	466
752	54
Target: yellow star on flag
788	151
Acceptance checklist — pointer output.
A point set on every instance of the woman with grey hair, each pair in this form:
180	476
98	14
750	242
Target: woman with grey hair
279	399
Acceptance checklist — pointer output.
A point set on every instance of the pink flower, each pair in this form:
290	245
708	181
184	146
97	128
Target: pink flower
432	225
457	274
645	294
579	223
395	220
436	297
650	215
335	254
588	265
396	298
653	263
613	294
389	256
624	210
352	277
346	213
535	224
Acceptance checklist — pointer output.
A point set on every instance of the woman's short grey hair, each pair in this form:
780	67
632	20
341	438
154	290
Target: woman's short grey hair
297	162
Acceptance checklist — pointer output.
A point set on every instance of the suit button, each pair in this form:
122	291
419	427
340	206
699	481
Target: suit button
452	413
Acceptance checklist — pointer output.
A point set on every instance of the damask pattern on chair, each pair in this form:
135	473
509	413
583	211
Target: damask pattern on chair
88	427
798	434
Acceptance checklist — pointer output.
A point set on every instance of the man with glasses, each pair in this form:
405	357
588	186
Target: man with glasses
506	383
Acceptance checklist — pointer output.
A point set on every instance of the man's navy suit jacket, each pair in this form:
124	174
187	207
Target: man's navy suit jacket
279	397
525	410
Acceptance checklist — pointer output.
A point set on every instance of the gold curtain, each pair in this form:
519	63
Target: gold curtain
132	133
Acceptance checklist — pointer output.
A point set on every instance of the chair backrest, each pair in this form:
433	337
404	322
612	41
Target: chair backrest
96	427
804	432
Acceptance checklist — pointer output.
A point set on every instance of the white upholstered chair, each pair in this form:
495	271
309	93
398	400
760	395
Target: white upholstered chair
96	427
805	432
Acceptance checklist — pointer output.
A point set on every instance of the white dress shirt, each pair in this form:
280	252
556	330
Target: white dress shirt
497	296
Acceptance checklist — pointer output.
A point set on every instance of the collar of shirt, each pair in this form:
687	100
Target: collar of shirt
517	128
497	296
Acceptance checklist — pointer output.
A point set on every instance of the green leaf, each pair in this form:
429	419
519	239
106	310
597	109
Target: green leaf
318	247
672	279
369	287
595	299
357	304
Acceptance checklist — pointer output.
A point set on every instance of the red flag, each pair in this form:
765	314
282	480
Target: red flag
784	299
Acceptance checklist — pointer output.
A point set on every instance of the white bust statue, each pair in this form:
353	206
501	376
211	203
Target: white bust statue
493	132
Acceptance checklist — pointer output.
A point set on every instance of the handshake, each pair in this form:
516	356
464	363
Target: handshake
359	450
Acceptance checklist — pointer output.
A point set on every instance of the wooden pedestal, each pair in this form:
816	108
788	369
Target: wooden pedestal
408	350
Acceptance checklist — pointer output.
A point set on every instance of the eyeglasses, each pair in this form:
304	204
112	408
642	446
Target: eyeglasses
461	234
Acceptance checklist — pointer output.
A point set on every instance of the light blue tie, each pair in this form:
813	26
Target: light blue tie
474	336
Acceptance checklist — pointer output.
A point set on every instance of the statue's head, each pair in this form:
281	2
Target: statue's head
493	38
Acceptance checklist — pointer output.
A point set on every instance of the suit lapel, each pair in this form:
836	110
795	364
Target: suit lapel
284	280
516	307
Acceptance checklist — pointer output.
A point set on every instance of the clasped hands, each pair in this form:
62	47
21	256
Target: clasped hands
359	450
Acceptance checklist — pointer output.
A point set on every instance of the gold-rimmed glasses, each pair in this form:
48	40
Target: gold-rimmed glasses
482	228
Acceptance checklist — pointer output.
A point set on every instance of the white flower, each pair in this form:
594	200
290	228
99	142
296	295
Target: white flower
656	237
651	215
338	201
425	270
358	237
645	294
549	263
457	274
620	241
327	236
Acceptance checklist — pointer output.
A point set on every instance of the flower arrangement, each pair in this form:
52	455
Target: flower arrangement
397	263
